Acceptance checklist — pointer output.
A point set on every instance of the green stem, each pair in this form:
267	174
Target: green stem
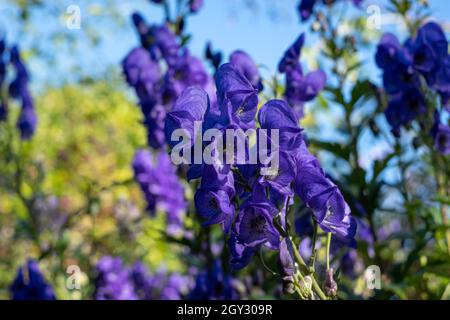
328	250
302	264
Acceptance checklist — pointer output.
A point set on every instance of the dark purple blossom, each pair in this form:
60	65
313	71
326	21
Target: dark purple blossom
237	97
241	255
246	66
18	89
113	281
441	137
405	107
214	284
195	5
164	43
142	72
161	187
254	225
30	284
213	200
300	88
291	57
190	106
215	57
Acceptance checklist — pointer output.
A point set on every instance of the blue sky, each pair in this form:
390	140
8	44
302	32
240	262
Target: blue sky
264	31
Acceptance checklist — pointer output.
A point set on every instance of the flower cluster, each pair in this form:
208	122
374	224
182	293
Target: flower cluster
18	89
300	88
30	284
410	70
143	67
115	281
161	187
250	206
215	284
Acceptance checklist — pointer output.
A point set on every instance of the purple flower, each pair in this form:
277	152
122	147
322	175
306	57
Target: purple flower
300	88
254	225
154	122
215	57
291	57
18	89
141	72
214	284
405	107
143	30
276	114
190	106
30	284
213	198
161	188
441	137
305	8
323	197
184	72
429	48
165	43
281	177
19	85
113	280
237	97
241	255
195	5
160	285
246	66
27	122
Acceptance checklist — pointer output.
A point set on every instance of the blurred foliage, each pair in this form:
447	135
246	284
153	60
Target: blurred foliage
76	166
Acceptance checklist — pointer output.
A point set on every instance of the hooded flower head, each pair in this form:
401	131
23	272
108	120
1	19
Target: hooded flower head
246	66
30	284
160	185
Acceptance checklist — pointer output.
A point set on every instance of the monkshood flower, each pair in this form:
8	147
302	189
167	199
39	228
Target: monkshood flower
317	191
423	57
195	5
213	200
441	136
404	107
18	89
165	43
246	66
215	57
184	72
3	104
160	285
27	121
30	284
159	71
161	187
325	200
291	57
241	255
142	72
113	281
214	284
254	225
306	7
237	98
300	88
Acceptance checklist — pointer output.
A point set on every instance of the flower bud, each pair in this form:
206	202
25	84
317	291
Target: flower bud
330	285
